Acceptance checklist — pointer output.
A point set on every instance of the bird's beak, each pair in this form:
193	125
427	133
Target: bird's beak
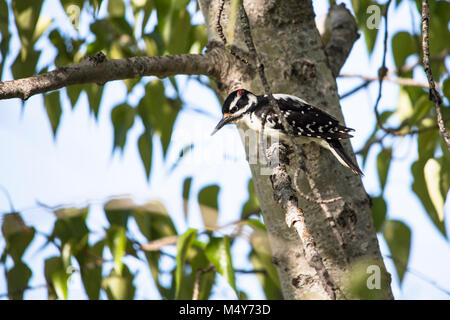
227	118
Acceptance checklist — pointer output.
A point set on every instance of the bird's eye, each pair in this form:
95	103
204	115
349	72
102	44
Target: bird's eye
233	110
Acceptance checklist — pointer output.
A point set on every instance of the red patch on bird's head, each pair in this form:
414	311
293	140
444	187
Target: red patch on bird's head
240	92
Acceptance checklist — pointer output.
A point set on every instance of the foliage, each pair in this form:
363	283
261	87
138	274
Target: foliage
127	31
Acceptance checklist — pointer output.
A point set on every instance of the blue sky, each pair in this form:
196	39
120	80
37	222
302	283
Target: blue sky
78	168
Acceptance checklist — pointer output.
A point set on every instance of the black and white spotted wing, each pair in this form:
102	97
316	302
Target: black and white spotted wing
305	119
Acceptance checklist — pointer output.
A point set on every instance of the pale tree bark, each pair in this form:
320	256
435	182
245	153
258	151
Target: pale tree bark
323	250
298	62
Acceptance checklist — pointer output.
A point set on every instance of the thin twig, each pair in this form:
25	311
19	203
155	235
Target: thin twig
420	275
434	94
382	71
198	274
8	197
222	35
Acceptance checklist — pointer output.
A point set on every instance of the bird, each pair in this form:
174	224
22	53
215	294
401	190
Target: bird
308	123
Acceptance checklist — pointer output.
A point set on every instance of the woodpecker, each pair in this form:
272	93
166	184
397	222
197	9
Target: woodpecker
309	123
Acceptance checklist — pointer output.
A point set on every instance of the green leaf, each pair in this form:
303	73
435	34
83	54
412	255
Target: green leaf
145	145
378	212
403	45
427	142
158	113
71	225
118	210
57	276
183	245
122	117
218	253
367	20
53	108
153	221
422	107
90	262
94	93
446	88
383	164
433	173
17	278
186	189
271	289
26	15
25	67
116	8
17	235
261	247
175	38
252	204
207	199
74	93
200	263
119	286
116	240
398	237
4	31
405	108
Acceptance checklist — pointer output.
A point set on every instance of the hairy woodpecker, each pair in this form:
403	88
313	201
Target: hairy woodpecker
309	123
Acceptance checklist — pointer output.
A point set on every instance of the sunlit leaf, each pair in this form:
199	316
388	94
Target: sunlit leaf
26	15
200	264
116	8
117	243
405	106
119	286
432	172
57	276
218	253
183	245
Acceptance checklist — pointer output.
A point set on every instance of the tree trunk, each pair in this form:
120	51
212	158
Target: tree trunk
296	62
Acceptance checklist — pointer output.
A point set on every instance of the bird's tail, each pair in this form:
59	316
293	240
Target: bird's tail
339	152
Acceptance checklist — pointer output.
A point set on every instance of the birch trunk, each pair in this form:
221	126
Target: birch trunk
297	62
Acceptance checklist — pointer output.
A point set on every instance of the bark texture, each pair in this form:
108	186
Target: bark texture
98	69
297	62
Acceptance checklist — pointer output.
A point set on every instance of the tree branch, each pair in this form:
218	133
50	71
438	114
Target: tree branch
339	31
98	69
434	94
382	72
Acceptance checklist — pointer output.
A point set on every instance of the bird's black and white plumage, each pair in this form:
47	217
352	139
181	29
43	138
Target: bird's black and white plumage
309	123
